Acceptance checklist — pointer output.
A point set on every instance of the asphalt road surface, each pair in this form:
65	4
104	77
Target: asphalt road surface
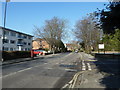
51	72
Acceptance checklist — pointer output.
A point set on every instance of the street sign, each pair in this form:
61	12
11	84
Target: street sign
101	46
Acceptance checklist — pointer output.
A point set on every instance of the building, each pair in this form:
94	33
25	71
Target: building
11	40
69	47
40	44
72	47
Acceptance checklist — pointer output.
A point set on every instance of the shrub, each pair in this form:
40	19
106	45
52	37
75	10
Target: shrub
9	55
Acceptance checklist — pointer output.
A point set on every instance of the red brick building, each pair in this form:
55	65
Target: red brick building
40	44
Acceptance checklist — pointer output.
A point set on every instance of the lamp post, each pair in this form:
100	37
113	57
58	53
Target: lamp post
4	23
5	18
5	12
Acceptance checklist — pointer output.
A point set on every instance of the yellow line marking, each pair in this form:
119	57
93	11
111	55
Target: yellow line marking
90	60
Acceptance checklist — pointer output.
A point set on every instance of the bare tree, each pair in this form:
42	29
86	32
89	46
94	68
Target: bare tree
86	31
52	31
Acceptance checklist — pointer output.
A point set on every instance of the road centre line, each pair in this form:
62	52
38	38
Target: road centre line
27	68
19	71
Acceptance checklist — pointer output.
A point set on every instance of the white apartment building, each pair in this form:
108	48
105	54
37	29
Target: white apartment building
14	40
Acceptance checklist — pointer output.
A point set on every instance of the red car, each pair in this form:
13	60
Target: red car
38	52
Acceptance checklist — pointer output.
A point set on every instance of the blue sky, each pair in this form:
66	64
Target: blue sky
22	16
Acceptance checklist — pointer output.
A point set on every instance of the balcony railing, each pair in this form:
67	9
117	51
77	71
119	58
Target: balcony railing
19	44
20	37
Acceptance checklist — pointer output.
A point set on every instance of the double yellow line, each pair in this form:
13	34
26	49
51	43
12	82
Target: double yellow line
72	82
90	60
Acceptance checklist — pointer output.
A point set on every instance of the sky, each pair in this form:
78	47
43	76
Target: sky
22	16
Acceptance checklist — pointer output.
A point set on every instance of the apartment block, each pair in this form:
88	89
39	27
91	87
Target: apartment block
11	40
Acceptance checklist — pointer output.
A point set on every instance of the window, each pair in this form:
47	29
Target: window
11	49
5	40
5	48
24	43
29	49
22	49
12	41
25	49
29	37
19	35
29	44
24	36
13	33
6	32
40	46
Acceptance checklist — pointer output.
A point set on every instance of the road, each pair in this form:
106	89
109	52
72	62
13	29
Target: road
56	71
51	72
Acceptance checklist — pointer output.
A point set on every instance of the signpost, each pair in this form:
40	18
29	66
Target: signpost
101	46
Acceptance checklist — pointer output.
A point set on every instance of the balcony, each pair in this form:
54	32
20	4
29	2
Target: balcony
19	44
20	38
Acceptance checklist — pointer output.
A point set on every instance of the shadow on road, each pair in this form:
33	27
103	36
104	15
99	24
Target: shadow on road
109	66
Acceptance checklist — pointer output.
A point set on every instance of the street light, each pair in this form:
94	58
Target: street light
5	12
5	19
4	24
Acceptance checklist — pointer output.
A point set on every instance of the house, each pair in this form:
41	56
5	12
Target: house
11	40
40	44
72	47
69	47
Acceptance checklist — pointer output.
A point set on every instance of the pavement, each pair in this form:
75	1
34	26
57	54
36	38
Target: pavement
97	73
89	79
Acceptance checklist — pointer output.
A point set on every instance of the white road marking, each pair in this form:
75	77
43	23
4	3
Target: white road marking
25	69
96	80
70	69
83	66
18	71
49	68
15	72
89	67
45	63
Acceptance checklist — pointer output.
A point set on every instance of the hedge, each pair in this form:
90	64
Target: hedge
9	55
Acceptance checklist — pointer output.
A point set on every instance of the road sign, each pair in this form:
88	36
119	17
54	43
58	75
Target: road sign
101	46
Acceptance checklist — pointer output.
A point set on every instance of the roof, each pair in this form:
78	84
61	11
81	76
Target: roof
15	31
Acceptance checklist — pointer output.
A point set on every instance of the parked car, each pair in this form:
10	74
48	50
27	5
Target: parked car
76	51
43	51
37	52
